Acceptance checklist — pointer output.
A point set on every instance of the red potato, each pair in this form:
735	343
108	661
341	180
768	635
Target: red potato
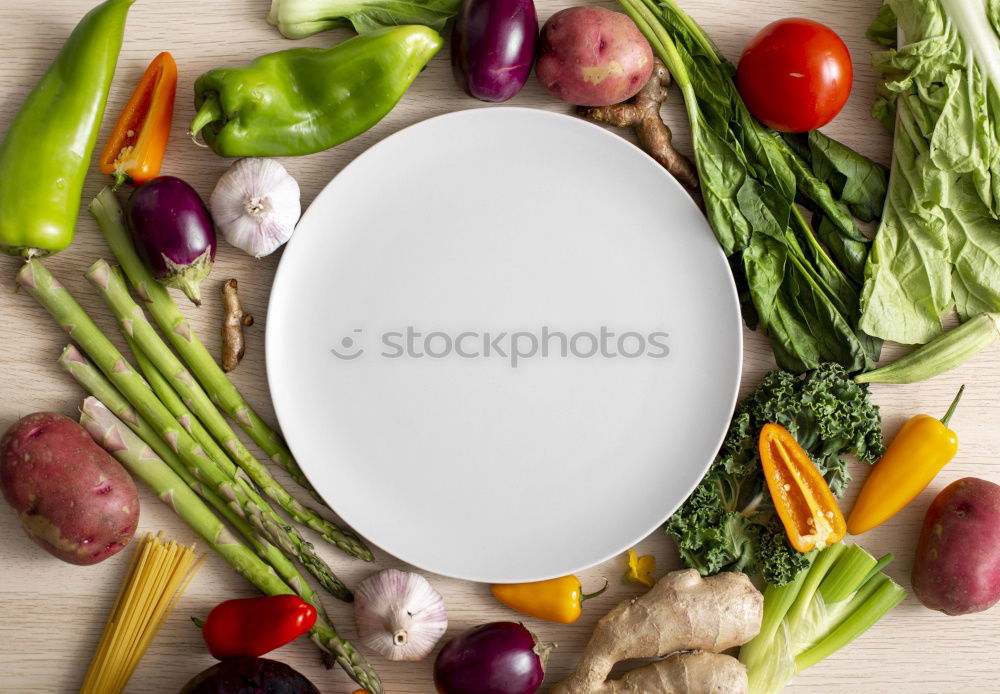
71	497
590	56
957	569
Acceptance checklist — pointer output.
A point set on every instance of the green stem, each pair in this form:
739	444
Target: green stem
94	382
954	405
133	453
584	597
817	572
201	411
863	615
178	331
210	111
879	565
36	279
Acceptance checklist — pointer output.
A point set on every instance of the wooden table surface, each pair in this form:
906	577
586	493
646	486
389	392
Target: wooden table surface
51	613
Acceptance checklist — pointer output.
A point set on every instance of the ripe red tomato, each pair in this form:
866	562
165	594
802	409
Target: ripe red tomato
795	75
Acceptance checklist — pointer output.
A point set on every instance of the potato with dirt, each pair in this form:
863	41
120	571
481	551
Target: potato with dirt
590	56
71	496
957	569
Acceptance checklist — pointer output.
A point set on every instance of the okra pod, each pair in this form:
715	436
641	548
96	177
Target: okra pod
941	354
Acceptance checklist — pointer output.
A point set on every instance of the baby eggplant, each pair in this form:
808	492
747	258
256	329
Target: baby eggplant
173	232
493	47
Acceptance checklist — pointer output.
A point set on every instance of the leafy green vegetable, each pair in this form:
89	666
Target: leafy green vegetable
800	282
840	595
729	523
938	246
297	19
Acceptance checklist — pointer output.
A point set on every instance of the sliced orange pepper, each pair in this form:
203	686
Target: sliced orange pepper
139	140
801	496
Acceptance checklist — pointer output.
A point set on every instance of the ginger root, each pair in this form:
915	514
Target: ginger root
684	673
682	612
643	113
234	319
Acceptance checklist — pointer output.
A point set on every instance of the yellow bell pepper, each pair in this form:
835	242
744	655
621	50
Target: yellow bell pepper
802	498
921	448
557	599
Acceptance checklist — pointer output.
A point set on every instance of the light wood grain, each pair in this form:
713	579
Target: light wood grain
51	613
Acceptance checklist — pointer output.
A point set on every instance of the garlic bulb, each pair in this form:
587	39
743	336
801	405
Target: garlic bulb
256	205
399	615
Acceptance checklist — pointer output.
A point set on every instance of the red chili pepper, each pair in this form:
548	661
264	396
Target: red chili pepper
137	144
255	626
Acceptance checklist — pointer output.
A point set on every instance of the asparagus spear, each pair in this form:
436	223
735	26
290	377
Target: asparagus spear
240	493
94	382
140	460
108	213
133	323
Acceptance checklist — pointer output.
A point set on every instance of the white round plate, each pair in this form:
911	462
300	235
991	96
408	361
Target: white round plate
419	273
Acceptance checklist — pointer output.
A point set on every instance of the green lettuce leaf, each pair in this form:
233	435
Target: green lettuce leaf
938	245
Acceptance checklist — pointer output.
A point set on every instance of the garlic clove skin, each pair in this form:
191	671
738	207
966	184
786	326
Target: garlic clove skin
399	615
256	205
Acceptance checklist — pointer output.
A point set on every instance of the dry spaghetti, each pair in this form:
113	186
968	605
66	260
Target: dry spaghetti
157	576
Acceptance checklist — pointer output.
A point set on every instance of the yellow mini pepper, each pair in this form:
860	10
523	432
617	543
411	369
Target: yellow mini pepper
802	498
921	448
557	599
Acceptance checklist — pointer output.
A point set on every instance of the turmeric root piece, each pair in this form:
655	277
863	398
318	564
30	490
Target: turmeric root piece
682	612
234	319
684	673
642	112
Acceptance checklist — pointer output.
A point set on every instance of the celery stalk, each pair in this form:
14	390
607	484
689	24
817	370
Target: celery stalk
828	605
852	569
884	598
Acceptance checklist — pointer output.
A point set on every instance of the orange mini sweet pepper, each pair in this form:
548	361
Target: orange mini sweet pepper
139	140
921	448
801	496
557	599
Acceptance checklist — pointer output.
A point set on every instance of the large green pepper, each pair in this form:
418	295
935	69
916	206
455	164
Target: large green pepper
46	153
305	100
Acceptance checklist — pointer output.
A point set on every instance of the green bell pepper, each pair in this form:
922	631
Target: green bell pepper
46	153
306	100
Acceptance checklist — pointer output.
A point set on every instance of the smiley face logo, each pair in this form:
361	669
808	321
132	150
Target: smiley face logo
349	348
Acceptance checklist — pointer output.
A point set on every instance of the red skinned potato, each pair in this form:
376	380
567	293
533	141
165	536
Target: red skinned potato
957	569
71	496
590	56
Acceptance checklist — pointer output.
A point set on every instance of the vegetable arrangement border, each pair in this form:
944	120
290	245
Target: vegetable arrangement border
787	205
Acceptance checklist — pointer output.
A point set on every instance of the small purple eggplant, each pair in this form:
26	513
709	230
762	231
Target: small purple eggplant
493	47
496	658
173	232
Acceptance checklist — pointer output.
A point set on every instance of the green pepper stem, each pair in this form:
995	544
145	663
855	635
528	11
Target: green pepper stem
953	407
210	111
584	597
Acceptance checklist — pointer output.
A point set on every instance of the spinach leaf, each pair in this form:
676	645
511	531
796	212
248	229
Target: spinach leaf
802	279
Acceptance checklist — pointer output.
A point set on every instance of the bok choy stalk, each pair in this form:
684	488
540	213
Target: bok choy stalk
297	19
938	246
828	605
800	280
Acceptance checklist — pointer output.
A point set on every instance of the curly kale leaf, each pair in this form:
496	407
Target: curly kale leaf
729	523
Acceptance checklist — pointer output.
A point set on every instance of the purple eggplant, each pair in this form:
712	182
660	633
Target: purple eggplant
173	232
493	47
496	658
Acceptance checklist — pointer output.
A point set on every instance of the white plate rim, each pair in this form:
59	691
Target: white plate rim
599	131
